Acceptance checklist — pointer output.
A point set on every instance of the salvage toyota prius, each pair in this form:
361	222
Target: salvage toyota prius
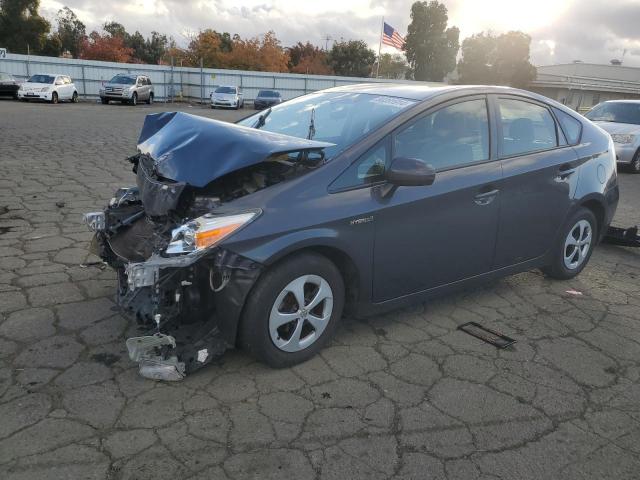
356	200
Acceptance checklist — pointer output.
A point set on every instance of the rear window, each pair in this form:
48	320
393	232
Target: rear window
571	127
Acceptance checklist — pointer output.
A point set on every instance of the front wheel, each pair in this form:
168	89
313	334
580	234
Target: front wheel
134	99
105	101
293	310
54	97
573	249
635	163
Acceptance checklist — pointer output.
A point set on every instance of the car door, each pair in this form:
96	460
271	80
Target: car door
434	235
539	179
69	87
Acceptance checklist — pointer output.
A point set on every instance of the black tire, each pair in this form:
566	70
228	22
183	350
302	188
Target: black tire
74	97
150	99
15	96
557	269
254	325
54	97
105	101
134	99
634	166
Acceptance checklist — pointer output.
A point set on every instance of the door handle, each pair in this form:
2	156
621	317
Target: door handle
565	172
485	198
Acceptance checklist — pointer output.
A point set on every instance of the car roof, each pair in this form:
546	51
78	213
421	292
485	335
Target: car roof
417	91
51	74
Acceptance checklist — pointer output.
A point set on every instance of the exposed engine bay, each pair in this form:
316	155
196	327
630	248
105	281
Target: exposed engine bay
163	236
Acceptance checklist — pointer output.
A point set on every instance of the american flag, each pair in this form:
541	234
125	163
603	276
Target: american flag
391	37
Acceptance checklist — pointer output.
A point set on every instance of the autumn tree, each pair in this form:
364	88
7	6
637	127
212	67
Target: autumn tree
392	66
496	60
22	26
71	31
105	47
352	58
207	44
431	47
307	58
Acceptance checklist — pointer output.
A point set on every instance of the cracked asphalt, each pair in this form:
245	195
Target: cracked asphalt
404	395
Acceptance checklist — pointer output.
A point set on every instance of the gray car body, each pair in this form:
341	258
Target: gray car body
428	240
124	92
625	152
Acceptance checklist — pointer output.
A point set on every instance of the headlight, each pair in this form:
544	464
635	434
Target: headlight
623	138
206	231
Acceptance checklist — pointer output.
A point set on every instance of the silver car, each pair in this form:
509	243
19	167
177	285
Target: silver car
127	88
621	119
228	96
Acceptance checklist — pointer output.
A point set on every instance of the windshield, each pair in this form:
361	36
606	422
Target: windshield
226	90
123	80
339	118
268	94
42	79
618	112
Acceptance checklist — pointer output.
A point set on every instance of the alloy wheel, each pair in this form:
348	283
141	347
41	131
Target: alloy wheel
300	313
577	244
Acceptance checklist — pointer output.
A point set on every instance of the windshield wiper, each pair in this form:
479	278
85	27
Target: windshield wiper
312	125
262	118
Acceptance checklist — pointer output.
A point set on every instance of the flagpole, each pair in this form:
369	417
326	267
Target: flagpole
380	48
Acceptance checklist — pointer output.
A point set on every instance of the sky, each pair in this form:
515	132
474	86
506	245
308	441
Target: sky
562	31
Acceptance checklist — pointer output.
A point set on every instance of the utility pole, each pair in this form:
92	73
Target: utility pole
327	38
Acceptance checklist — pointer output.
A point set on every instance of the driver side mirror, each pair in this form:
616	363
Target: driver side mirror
407	172
410	172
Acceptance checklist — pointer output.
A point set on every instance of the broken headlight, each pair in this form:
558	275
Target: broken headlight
206	231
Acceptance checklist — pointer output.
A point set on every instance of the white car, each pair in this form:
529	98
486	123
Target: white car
227	96
48	87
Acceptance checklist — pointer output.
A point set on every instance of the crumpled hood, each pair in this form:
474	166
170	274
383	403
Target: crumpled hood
196	150
620	128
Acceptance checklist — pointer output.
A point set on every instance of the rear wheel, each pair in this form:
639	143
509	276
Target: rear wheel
150	99
574	247
635	163
293	310
105	101
74	97
54	97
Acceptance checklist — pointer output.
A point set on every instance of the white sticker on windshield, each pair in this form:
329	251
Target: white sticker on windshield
392	101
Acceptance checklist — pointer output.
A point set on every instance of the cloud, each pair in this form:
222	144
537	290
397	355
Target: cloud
561	30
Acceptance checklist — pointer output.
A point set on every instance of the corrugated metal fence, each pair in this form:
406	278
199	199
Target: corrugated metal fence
174	82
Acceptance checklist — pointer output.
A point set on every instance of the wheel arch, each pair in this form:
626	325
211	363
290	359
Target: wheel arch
596	206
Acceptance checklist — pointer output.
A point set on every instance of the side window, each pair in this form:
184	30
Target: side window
526	127
67	80
452	136
571	127
368	169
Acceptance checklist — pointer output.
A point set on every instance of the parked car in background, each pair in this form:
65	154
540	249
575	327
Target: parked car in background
50	87
621	119
8	85
227	97
367	197
127	88
266	99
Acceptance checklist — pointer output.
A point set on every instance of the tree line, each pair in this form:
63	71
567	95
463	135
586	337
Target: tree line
432	51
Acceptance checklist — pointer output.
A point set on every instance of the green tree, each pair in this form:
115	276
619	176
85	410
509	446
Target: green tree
21	25
392	66
71	31
352	59
498	60
431	47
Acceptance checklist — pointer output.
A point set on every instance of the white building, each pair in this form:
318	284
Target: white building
583	85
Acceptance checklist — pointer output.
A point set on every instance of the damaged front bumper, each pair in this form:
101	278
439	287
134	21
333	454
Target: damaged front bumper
188	306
